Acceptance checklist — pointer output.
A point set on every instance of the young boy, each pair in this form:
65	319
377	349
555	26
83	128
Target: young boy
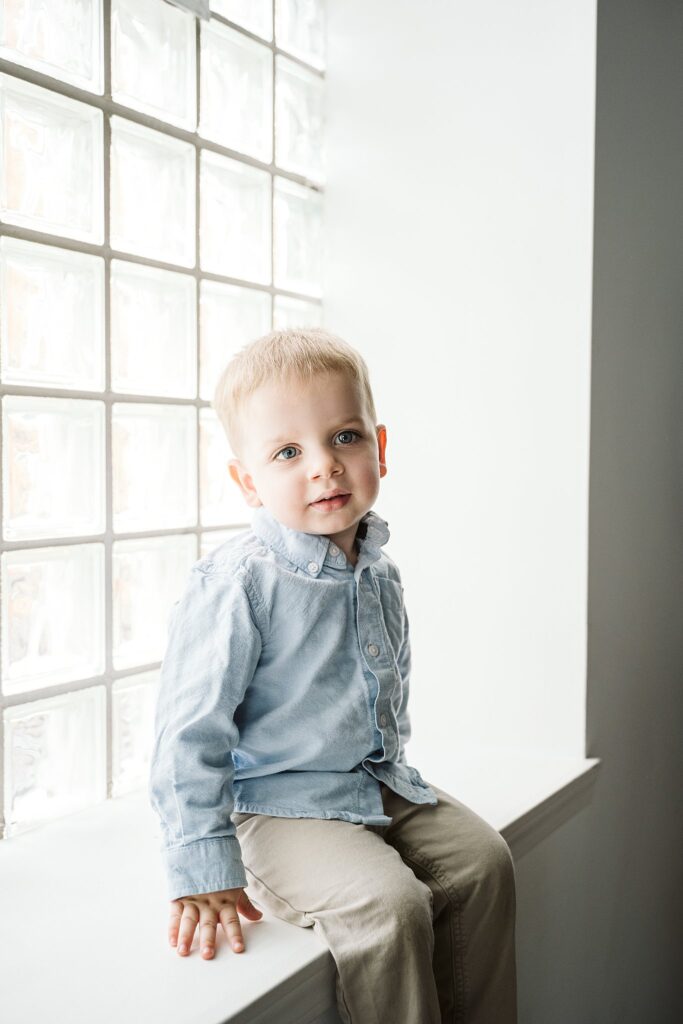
279	756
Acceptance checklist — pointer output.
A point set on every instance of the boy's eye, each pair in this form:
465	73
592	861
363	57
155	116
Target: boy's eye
289	448
350	434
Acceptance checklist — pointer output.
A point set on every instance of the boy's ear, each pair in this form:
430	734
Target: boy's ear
382	448
244	482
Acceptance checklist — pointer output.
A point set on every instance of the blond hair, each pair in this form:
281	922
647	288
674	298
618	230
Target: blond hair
301	352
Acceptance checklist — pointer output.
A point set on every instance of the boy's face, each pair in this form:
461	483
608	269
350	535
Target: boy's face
303	440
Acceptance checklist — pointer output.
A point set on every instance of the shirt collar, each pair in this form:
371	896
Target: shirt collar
308	551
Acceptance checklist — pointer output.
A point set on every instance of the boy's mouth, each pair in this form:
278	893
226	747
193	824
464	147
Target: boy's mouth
331	504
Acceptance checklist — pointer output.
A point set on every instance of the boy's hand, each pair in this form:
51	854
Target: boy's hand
207	909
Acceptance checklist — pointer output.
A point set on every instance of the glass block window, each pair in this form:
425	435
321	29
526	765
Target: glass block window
161	197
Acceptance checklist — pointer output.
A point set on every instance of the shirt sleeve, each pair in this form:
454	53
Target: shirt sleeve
213	648
404	667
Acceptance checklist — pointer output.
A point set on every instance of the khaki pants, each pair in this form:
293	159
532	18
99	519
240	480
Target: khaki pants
419	915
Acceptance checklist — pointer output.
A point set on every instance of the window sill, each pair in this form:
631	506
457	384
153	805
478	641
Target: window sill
85	912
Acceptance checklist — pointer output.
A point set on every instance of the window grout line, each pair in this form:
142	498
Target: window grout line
272	178
270	43
77	685
3	638
197	262
91	249
29	544
108	432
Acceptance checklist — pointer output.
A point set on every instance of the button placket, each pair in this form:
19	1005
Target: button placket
369	594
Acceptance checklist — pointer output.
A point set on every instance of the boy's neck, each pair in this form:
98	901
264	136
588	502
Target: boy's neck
350	544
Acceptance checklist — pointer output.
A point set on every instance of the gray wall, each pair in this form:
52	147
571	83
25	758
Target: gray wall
601	901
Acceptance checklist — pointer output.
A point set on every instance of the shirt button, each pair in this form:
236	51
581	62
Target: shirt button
313	567
374	650
383	719
334	550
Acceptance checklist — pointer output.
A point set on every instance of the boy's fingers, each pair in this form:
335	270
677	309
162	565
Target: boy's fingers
231	924
246	907
174	922
188	923
208	923
186	915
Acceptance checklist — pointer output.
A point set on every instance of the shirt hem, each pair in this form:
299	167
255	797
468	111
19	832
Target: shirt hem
307	812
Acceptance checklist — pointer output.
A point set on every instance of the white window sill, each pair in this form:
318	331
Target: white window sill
85	912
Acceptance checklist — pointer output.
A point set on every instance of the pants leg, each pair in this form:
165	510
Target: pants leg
469	869
419	915
374	914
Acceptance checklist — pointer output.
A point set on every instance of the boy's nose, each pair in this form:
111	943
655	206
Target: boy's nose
324	464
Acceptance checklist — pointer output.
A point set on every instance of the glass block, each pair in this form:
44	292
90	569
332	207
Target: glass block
153	331
254	15
300	29
153	57
55	757
297	230
133	702
288	312
229	317
62	38
46	639
53	467
51	316
235	219
152	194
213	539
222	501
236	91
299	119
154	466
149	575
51	168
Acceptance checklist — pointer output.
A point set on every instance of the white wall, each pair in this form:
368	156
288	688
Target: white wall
458	261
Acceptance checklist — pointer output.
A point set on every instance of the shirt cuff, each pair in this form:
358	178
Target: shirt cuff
207	865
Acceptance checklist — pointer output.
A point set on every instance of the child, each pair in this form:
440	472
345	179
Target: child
279	756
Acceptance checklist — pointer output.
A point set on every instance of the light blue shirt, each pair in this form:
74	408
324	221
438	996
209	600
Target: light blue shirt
284	691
